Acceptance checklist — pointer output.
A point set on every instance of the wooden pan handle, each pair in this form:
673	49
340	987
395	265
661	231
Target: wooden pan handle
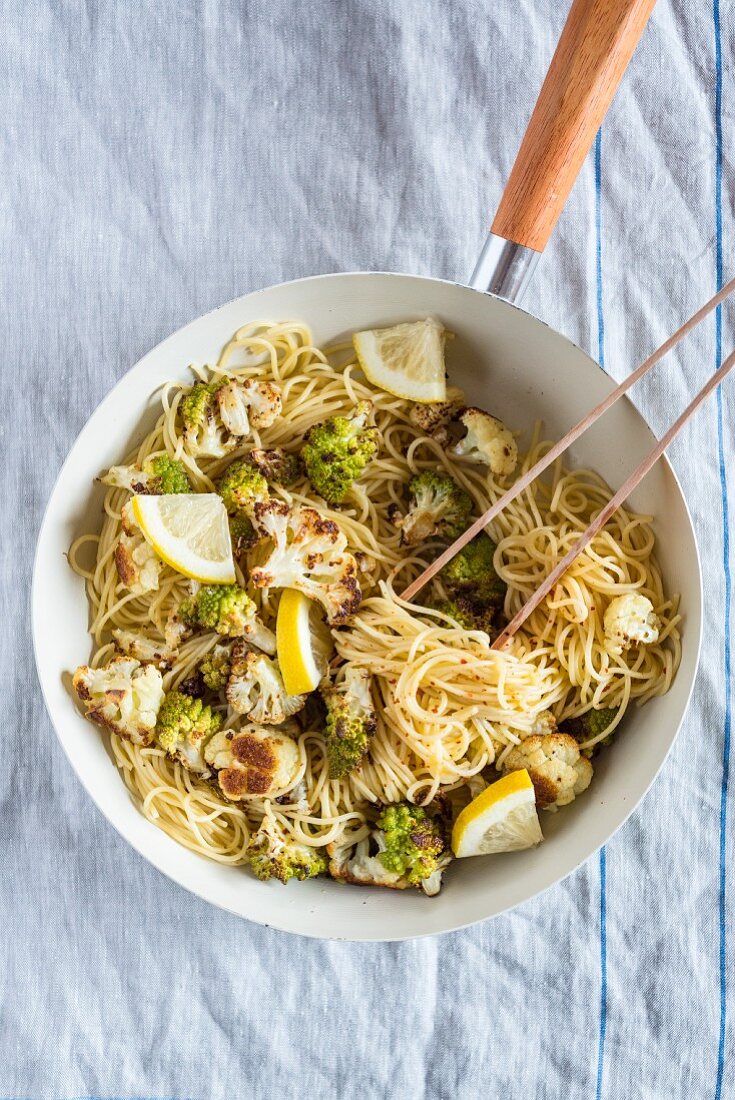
597	43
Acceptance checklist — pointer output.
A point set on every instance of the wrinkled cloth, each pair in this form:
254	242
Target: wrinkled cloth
159	159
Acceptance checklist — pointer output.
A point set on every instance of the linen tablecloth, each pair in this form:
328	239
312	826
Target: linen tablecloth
159	159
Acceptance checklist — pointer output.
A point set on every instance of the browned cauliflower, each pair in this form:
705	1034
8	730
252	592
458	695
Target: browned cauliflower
124	696
310	554
255	688
557	770
487	441
254	762
433	418
144	649
630	620
137	565
246	403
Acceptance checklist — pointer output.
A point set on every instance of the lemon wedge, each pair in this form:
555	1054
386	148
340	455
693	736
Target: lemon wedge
189	531
502	818
303	641
406	360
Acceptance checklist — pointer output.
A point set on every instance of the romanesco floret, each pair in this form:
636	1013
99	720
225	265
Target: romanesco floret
241	487
159	475
557	770
471	574
487	441
255	688
124	696
588	726
204	432
277	466
309	554
468	614
184	727
438	507
407	848
336	452
253	762
413	842
243	534
273	854
215	668
350	721
227	609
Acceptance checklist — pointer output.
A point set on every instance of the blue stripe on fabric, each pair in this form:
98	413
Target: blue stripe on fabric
603	867
727	653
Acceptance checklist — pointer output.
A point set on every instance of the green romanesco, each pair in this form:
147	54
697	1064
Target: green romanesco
198	404
227	609
184	727
412	841
439	507
350	721
272	854
469	615
241	487
243	534
215	668
167	475
472	576
277	466
336	452
590	725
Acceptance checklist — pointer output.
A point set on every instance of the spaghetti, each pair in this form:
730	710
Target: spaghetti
447	706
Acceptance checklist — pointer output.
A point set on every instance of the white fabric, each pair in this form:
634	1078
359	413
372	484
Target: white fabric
159	159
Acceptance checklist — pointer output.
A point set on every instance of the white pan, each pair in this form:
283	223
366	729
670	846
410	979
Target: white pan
503	358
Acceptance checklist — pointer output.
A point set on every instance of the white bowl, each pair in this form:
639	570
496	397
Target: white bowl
506	361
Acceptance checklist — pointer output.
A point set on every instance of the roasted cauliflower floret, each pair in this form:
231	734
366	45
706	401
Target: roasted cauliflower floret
176	631
124	696
184	727
228	610
630	620
336	452
407	848
271	853
557	770
310	554
438	507
487	441
241	487
246	403
158	475
203	429
144	649
137	565
470	575
277	466
253	762
255	688
588	726
433	418
215	668
350	721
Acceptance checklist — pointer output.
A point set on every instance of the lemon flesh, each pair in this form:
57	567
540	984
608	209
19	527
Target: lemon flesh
502	818
406	360
303	642
190	532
